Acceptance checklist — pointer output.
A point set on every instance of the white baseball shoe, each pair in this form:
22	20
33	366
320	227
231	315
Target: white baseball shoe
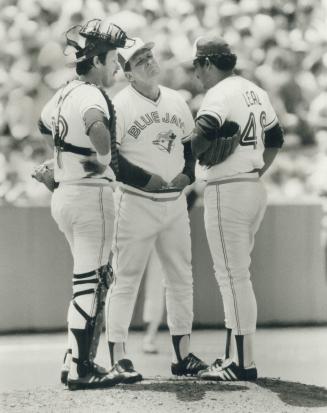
228	371
123	371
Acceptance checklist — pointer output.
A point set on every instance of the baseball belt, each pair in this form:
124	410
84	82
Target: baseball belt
152	198
239	178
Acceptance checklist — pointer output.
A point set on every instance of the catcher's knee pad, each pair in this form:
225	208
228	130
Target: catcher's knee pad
87	307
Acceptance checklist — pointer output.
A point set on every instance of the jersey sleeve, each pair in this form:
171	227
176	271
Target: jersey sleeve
214	104
120	121
271	117
48	112
92	99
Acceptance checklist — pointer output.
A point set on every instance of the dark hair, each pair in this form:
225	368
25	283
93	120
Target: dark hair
82	68
127	67
224	62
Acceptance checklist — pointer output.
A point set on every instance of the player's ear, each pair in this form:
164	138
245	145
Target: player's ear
129	76
96	61
207	62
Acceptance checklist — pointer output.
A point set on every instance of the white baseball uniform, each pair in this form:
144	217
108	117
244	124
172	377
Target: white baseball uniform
150	133
83	212
235	199
82	206
154	305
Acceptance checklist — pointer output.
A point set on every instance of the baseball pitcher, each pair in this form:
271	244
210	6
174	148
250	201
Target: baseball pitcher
236	138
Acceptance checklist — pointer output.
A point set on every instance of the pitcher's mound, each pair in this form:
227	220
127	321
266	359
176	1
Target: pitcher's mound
158	395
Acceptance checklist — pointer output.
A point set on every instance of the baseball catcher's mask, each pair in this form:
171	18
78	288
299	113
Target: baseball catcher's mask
96	37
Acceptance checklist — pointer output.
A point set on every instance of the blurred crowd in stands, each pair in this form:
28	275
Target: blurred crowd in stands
281	44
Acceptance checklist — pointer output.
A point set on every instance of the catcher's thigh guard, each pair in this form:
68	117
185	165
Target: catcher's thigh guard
87	308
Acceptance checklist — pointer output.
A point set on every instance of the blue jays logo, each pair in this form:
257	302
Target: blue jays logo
165	141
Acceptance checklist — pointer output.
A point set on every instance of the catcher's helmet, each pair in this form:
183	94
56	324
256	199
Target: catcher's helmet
96	37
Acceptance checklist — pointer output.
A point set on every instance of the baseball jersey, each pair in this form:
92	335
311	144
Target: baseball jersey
70	104
240	100
149	132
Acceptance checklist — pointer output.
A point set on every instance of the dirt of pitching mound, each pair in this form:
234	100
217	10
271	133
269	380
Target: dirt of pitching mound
185	395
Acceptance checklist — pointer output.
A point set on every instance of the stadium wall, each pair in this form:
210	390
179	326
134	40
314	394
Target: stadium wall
288	270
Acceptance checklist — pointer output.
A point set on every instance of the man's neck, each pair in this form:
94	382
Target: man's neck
149	91
91	78
215	79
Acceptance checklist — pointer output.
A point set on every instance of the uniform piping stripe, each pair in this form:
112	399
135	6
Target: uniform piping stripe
217	116
103	226
116	248
226	259
103	235
117	228
270	123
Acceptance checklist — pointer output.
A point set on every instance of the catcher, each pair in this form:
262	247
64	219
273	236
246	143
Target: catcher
79	121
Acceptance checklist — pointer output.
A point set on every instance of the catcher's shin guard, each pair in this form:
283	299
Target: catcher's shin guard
92	313
105	280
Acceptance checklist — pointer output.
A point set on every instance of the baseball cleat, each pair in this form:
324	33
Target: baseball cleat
124	372
92	380
189	366
229	371
94	368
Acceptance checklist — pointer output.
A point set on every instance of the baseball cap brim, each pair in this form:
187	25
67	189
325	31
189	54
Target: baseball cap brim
124	55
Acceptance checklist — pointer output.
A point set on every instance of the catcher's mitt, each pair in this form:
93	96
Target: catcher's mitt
223	146
44	173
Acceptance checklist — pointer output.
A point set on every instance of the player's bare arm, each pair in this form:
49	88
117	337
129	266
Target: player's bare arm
273	142
97	128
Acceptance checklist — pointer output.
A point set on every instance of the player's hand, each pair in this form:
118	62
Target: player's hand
156	183
41	172
93	166
44	173
179	182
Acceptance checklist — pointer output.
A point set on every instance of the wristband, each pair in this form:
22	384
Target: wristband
104	159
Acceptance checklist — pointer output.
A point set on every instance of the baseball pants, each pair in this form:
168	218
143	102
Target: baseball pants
233	213
154	291
85	214
140	225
